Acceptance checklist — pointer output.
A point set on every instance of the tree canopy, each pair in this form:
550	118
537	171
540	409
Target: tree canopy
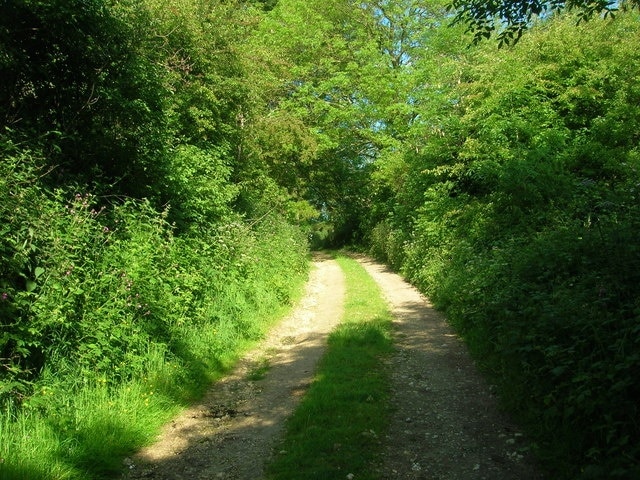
510	18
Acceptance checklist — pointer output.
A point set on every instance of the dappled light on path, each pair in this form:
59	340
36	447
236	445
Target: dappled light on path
445	422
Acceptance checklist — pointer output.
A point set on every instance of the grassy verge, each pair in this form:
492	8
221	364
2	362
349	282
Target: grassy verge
335	430
84	433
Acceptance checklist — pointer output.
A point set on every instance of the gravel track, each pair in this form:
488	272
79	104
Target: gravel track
446	424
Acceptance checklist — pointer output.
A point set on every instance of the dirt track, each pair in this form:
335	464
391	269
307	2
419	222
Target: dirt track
446	423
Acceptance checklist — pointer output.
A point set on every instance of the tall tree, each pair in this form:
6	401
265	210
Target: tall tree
345	80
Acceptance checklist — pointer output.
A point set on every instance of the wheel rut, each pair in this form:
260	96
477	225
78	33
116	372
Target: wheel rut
445	425
231	432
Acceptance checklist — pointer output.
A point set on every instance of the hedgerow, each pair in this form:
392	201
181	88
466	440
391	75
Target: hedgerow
525	230
140	253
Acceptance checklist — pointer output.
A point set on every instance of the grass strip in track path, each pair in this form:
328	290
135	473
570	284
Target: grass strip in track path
334	432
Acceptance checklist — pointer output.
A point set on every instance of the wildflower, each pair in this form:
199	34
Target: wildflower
105	229
4	296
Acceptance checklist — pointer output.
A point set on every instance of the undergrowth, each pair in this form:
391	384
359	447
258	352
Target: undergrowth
111	322
334	431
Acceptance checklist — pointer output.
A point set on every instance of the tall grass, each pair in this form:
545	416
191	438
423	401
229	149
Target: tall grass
86	433
335	429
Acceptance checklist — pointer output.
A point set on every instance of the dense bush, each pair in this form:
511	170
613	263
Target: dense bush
142	245
88	284
76	74
526	233
101	294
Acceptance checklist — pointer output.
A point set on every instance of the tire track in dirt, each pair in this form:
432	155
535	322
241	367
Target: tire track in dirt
231	432
446	423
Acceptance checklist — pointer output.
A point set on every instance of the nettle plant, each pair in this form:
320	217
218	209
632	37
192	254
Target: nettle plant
73	301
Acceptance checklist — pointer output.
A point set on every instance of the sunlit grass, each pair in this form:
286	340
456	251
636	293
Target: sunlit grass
84	431
336	429
81	435
30	434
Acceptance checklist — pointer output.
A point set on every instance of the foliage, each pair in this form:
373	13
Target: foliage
75	75
512	17
142	243
520	223
164	164
341	92
106	296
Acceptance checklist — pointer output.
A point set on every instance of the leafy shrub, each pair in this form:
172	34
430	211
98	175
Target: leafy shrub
100	297
77	68
137	255
386	244
526	237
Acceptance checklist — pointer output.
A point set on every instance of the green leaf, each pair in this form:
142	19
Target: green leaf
31	285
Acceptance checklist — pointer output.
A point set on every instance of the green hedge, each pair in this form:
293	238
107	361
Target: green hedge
526	234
